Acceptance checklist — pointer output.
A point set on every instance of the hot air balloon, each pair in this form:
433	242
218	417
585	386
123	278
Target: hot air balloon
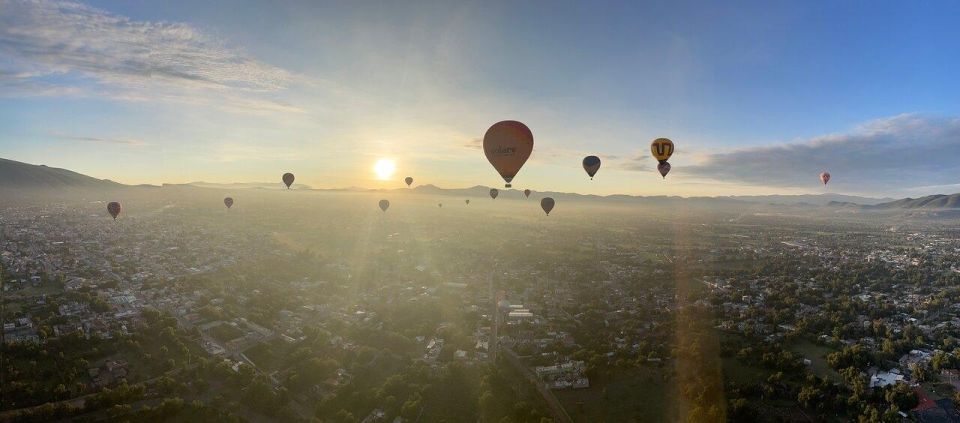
288	179
440	205
228	202
468	201
664	168
591	164
494	193
114	209
408	180
508	145
662	149
526	193
547	203
825	177
384	205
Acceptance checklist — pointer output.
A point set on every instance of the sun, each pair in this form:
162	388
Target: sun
384	168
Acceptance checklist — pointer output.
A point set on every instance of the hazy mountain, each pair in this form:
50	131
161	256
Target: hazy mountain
23	176
247	185
812	199
16	175
938	201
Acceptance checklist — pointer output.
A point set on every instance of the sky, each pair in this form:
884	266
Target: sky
758	97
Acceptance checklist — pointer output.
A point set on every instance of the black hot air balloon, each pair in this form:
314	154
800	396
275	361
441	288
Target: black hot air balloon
591	164
384	205
228	202
664	168
288	179
408	180
526	193
114	209
467	201
547	204
494	193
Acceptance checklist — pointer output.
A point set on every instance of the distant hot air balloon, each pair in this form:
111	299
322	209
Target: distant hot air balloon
288	179
494	193
508	145
114	209
526	193
664	168
468	201
825	177
384	205
408	180
440	205
547	203
228	202
591	164
662	149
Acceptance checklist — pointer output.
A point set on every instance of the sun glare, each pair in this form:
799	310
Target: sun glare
384	168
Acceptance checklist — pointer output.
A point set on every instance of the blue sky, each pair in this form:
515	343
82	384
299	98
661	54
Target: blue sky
759	97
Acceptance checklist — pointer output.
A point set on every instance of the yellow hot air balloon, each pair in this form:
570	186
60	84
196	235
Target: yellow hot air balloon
662	149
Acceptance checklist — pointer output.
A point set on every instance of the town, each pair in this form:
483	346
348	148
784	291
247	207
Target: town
337	313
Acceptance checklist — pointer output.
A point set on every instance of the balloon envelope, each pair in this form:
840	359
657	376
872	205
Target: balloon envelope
507	145
591	164
494	193
468	201
526	193
547	203
825	177
114	209
662	149
408	180
384	205
228	202
664	169
288	179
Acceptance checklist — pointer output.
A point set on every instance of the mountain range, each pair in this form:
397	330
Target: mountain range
16	175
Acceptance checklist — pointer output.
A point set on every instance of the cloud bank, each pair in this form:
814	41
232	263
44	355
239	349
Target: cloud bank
53	47
898	154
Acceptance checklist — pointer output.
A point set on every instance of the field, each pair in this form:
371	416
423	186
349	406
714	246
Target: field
225	332
817	354
638	395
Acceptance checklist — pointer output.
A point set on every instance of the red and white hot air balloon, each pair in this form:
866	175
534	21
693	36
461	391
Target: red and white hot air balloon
824	177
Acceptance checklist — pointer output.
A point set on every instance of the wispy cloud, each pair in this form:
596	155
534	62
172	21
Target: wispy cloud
899	153
50	43
98	140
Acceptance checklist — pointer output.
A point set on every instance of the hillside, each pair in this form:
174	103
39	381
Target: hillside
18	175
938	201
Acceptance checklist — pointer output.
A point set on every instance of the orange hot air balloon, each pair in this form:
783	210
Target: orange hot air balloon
825	177
547	203
508	145
526	193
494	193
288	179
591	164
408	180
114	209
662	149
664	168
228	202
384	205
